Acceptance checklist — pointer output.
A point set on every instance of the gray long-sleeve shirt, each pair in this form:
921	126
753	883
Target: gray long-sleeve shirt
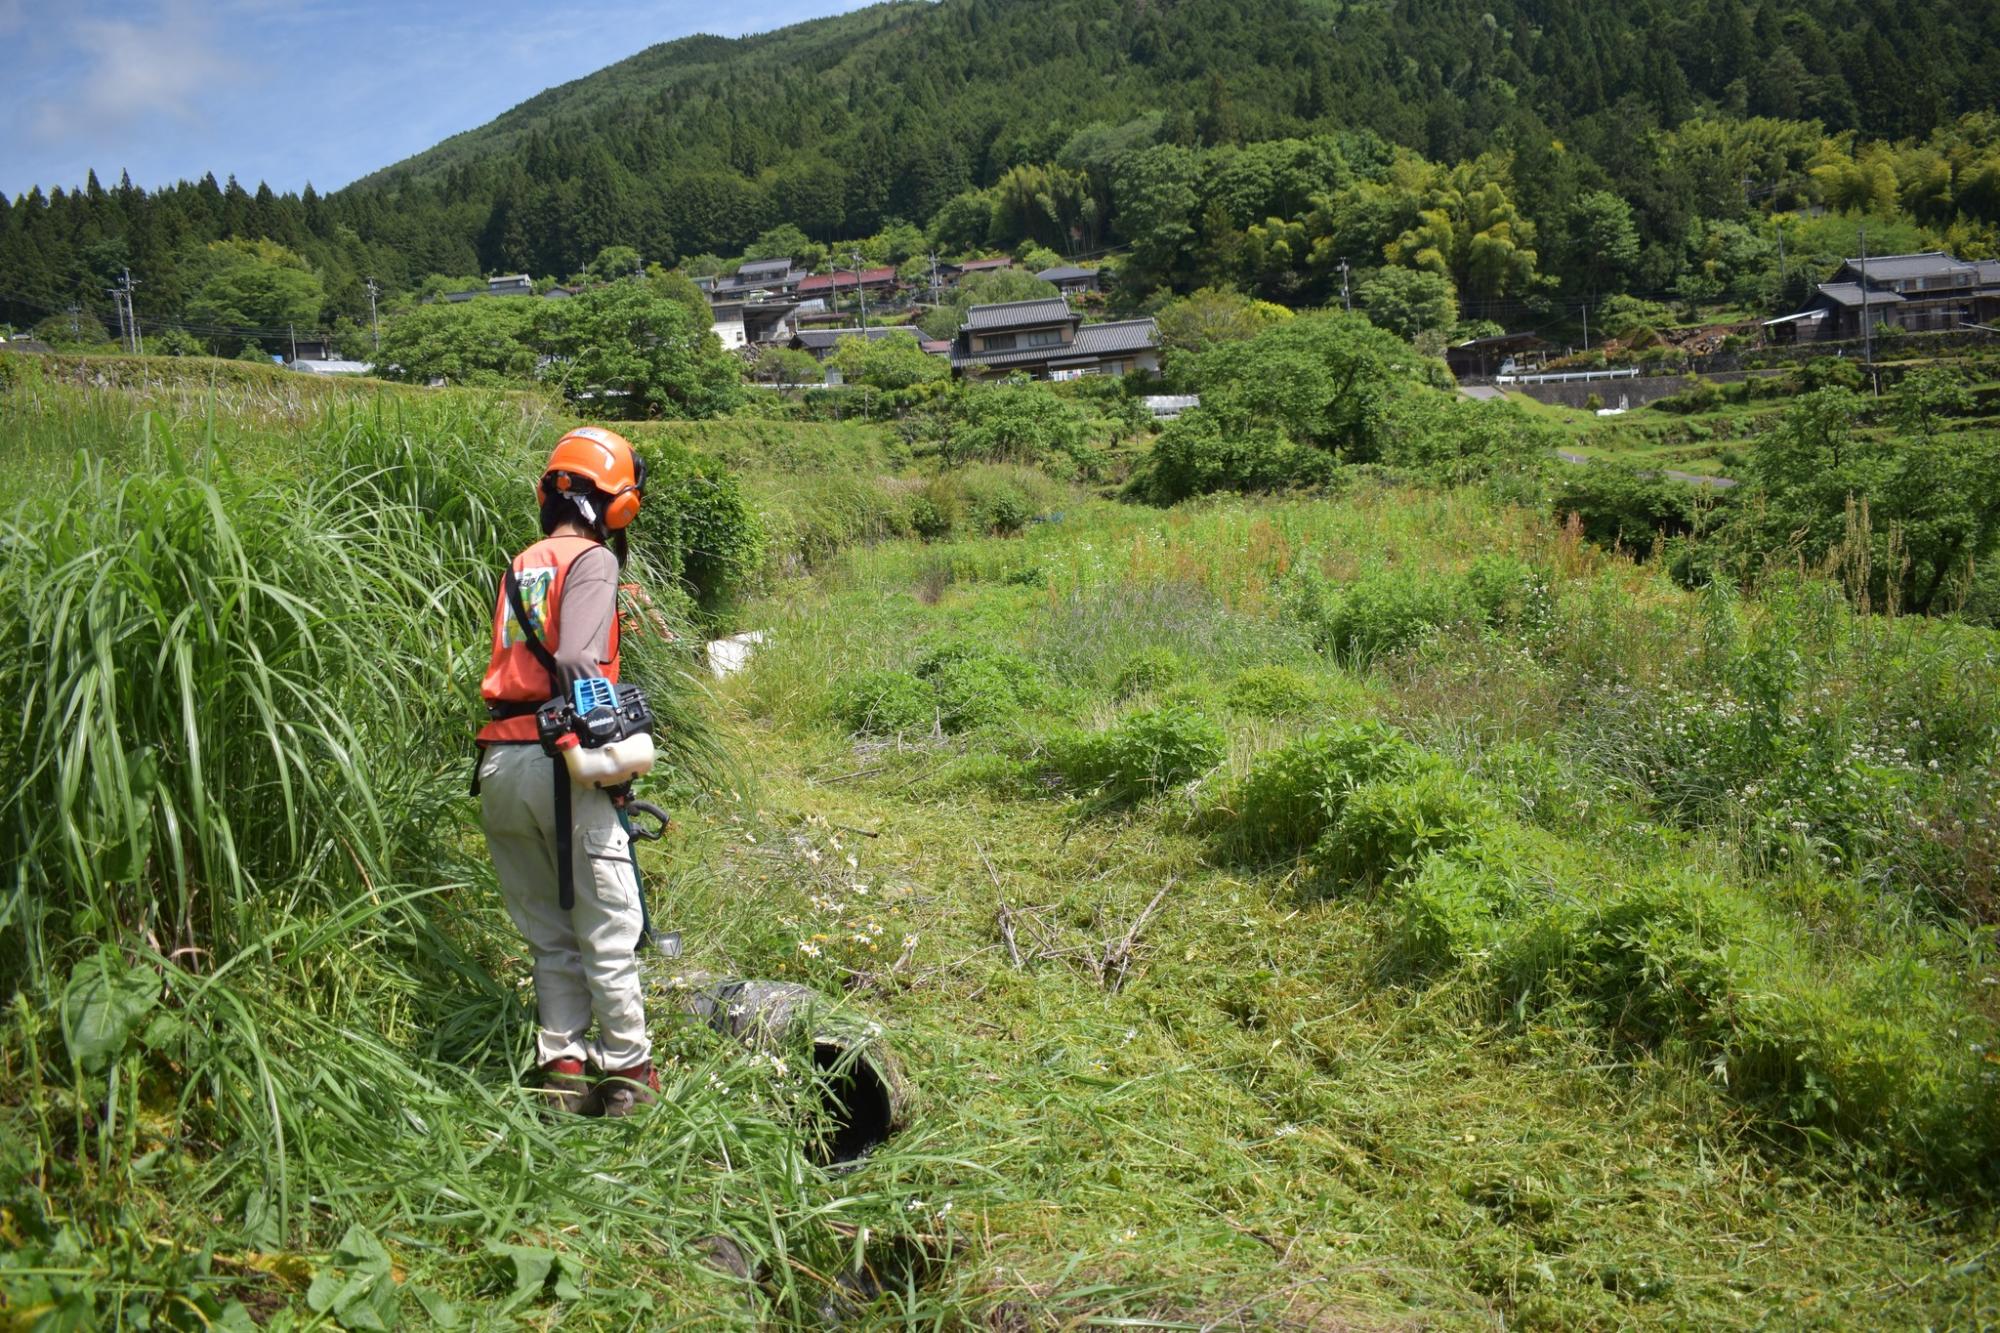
585	616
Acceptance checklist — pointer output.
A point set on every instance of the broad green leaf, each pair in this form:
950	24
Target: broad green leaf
531	1269
441	1311
361	1251
537	1269
102	1006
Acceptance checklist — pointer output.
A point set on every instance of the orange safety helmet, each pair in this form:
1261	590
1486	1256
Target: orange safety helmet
593	458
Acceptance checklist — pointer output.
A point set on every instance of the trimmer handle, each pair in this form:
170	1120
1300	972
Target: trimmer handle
648	808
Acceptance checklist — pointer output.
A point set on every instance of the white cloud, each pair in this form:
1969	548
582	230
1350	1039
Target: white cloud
136	71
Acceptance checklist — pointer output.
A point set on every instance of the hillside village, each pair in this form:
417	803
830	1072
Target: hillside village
766	305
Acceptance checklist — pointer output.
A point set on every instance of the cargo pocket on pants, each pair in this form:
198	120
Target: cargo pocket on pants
609	854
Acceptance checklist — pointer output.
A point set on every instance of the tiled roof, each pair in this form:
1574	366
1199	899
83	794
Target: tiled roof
1849	293
1065	273
1093	342
763	267
1892	268
1023	356
827	282
984	265
1126	335
1018	314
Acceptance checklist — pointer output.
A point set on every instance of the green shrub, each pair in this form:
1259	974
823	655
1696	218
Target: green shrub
1653	960
1143	752
1618	504
1023	680
1276	691
977	685
1000	509
974	692
1019	421
934	511
885	703
1826	372
1294	793
1386	829
1449	912
1466	900
1884	1055
1026	576
1150	671
1447	440
1199	453
1505	590
1380	611
699	524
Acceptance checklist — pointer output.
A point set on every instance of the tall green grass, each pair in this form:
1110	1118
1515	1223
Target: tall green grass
255	968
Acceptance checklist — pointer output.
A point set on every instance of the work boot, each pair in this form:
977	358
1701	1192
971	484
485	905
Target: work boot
564	1089
622	1091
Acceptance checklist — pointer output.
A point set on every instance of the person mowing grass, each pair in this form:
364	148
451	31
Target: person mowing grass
561	852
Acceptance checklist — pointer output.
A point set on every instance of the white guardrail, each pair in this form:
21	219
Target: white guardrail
1627	373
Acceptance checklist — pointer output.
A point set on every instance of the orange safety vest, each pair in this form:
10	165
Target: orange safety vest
514	679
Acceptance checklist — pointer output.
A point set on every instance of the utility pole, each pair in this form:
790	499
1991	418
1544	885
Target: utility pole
75	332
1346	300
1867	329
859	291
131	315
934	278
1585	307
292	331
374	322
128	320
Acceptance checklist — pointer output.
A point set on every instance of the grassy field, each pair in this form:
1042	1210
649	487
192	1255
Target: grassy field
1383	911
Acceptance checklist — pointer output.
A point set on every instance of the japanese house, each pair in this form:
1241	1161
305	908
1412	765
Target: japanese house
1923	293
1048	340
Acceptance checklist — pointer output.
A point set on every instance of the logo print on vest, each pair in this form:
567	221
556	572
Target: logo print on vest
535	586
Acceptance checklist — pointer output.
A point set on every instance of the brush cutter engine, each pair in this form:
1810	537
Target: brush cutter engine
602	732
597	713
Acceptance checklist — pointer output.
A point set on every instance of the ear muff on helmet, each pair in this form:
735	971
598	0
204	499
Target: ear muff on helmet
599	466
624	504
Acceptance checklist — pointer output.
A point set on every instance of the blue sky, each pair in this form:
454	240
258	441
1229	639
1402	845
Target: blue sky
294	90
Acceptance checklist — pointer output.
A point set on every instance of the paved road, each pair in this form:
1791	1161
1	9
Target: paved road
1691	478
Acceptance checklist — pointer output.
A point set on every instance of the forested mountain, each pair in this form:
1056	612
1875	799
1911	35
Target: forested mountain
1140	123
842	124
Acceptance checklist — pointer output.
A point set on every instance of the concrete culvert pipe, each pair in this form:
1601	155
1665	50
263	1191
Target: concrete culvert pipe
867	1094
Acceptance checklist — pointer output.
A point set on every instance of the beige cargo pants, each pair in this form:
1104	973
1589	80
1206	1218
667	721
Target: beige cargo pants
584	959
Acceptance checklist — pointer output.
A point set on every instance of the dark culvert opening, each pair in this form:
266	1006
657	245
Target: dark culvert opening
858	1107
